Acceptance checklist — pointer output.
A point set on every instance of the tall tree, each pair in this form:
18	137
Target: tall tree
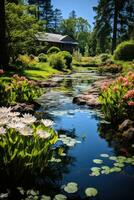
4	58
57	18
113	15
47	14
72	14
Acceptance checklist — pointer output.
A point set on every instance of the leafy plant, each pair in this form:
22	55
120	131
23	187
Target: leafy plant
57	61
25	143
117	98
42	57
18	89
67	57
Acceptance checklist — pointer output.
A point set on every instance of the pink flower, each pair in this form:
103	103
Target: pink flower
1	71
129	94
126	83
131	103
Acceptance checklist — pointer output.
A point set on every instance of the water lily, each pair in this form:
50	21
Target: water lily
28	119
47	122
26	131
43	134
13	114
16	125
3	121
5	109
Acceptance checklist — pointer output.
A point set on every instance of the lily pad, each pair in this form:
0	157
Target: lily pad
95	169
71	187
91	192
44	197
98	161
115	169
95	173
112	158
60	197
105	171
105	167
104	155
118	164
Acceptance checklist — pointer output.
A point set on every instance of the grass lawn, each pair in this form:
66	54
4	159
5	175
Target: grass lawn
40	72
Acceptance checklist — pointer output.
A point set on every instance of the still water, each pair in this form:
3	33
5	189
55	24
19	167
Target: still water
83	123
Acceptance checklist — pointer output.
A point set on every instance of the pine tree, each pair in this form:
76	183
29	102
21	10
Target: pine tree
47	14
72	14
4	58
57	18
115	15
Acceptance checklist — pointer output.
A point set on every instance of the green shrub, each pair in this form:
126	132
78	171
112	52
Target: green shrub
125	51
104	57
25	61
57	61
67	57
53	50
42	57
19	89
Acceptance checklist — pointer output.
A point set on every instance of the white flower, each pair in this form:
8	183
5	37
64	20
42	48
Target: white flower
43	134
5	109
16	119
2	130
47	122
26	131
13	114
4	121
28	119
16	125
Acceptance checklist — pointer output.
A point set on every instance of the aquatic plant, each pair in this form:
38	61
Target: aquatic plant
18	89
117	98
25	142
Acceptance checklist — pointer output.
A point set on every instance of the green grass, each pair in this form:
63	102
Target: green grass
40	72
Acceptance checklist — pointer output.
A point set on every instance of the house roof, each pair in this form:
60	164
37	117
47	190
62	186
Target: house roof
57	38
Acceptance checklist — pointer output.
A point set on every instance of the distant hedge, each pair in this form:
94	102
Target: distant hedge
53	50
125	51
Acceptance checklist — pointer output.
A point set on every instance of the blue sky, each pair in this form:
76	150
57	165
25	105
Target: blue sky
83	8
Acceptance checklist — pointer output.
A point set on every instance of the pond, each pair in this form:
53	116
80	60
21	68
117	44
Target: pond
83	123
88	159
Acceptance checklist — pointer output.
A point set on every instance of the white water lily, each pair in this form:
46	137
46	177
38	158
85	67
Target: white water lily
43	134
3	121
13	114
47	122
16	125
5	109
28	119
2	130
26	131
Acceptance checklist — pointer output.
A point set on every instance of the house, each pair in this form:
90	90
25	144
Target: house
64	42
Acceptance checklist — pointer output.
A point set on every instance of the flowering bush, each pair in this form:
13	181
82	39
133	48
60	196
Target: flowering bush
117	98
25	143
19	89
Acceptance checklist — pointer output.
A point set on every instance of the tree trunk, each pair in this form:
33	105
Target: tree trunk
4	57
114	39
